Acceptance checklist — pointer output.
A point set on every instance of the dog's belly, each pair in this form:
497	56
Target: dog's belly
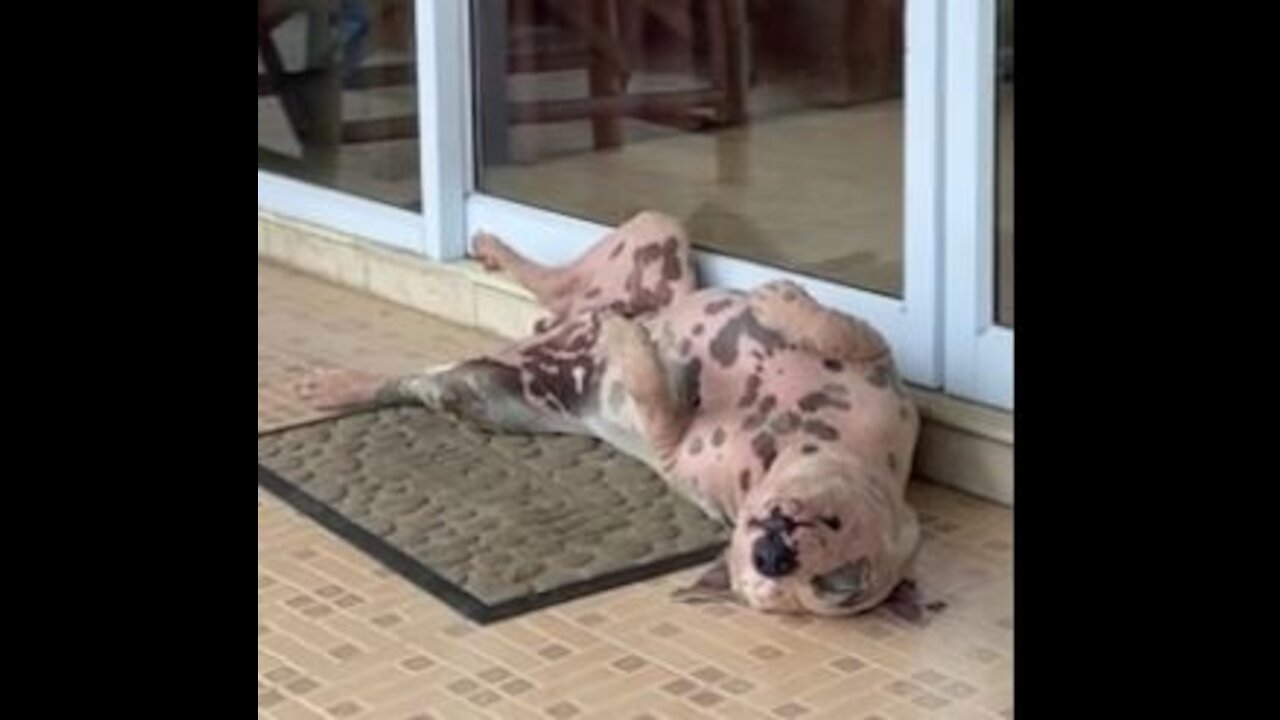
760	395
732	442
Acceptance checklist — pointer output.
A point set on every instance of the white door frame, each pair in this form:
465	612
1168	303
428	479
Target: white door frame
979	352
340	211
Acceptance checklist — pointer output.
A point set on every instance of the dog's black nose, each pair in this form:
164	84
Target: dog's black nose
772	557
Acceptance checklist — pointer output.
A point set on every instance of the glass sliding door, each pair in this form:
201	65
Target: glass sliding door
799	140
773	130
791	138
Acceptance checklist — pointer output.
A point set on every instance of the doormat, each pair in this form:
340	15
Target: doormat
492	524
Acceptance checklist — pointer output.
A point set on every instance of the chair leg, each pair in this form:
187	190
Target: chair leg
491	83
727	35
604	78
293	110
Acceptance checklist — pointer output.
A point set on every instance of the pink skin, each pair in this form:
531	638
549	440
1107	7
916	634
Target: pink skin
746	402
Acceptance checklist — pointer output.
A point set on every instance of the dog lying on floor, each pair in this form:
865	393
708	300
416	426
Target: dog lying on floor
782	418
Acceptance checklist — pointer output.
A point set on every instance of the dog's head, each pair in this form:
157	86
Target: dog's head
823	534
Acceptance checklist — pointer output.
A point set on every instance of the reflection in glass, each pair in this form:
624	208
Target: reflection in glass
337	96
773	130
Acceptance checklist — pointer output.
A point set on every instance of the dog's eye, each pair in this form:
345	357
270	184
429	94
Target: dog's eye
832	521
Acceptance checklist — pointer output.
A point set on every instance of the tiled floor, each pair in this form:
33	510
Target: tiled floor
340	637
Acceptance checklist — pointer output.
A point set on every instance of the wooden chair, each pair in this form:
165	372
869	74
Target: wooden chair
604	38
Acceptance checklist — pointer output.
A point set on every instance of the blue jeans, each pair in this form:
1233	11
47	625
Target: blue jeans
353	26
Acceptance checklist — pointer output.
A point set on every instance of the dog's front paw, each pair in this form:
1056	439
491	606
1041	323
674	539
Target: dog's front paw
491	252
788	290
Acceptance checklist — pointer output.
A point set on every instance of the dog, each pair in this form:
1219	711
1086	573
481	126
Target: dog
781	418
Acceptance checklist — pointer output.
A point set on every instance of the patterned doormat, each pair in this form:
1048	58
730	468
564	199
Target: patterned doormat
494	525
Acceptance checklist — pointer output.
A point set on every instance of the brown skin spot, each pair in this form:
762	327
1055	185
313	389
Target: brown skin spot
671	268
593	293
893	462
821	430
833	365
762	414
648	253
622	246
695	447
809	449
785	424
813	402
768	403
753	392
724	348
698	329
880	376
744	481
717	437
685	346
718	306
690	380
789	296
765	448
643	298
550	366
758	418
885	376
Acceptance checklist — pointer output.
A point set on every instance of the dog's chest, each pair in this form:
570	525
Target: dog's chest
759	395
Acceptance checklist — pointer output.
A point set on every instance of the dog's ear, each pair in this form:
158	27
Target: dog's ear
907	603
712	586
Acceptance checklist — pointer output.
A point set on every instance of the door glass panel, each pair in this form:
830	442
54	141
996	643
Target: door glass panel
773	130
